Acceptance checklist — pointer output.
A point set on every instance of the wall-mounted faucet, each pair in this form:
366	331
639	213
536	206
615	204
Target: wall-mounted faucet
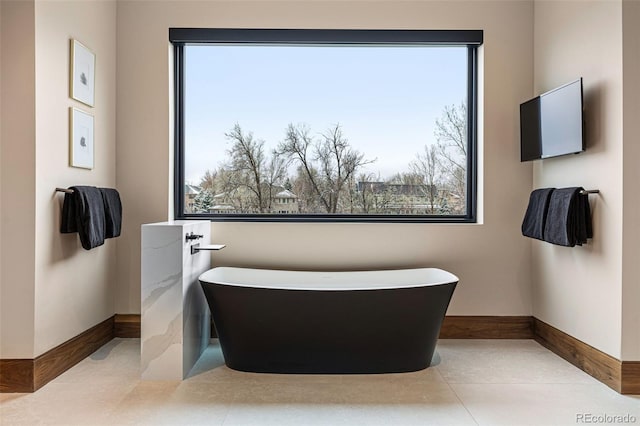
197	247
191	236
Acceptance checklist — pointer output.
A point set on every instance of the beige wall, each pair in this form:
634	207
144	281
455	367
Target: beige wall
578	290
52	289
75	288
17	179
492	259
631	175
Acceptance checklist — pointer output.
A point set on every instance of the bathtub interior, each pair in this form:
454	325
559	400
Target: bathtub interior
328	280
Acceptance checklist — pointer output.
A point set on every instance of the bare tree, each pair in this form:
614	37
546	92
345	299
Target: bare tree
374	195
326	173
353	199
451	134
253	170
208	181
336	161
363	192
297	147
302	186
451	128
247	160
275	175
223	184
426	165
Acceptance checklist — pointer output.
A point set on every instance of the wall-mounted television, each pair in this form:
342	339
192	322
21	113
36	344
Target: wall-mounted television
552	124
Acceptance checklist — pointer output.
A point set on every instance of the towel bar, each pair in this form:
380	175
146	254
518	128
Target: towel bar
66	191
590	191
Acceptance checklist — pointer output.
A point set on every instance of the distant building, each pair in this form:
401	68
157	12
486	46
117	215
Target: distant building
285	202
407	189
190	194
240	200
405	198
223	209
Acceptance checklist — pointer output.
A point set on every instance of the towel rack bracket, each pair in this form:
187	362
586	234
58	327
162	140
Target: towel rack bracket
66	191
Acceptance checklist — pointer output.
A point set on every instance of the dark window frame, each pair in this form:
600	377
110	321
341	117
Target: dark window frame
181	37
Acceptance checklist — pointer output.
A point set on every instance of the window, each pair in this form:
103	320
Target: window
325	125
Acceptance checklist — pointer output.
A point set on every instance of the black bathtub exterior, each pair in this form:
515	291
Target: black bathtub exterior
328	332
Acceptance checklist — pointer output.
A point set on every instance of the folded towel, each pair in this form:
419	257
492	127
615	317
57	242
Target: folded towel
536	215
587	215
68	224
568	218
559	226
83	212
584	230
112	212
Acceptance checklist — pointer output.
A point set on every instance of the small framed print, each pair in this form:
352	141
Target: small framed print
81	144
83	64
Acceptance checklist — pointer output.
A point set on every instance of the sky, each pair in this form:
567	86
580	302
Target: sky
386	99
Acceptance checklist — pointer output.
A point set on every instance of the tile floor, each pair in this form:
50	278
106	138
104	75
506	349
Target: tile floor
472	382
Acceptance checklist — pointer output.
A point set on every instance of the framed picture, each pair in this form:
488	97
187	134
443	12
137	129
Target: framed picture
81	152
83	64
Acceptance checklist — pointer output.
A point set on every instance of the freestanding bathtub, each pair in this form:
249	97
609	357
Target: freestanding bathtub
273	321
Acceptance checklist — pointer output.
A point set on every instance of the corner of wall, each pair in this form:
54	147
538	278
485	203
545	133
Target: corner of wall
579	290
62	267
17	179
631	177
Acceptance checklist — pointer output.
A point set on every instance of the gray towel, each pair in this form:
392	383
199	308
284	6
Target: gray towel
536	216
68	224
83	212
112	212
568	218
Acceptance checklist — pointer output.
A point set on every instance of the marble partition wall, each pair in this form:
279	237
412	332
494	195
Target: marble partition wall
175	319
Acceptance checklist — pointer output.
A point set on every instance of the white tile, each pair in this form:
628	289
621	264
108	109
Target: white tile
441	413
504	361
65	404
173	403
486	382
543	404
348	404
141	404
303	392
429	375
117	361
352	401
6	397
342	415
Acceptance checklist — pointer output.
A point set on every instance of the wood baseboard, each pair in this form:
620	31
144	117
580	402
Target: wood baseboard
127	325
486	327
16	375
630	378
29	375
56	361
621	376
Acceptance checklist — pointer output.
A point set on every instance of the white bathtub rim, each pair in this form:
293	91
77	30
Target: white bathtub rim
328	280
